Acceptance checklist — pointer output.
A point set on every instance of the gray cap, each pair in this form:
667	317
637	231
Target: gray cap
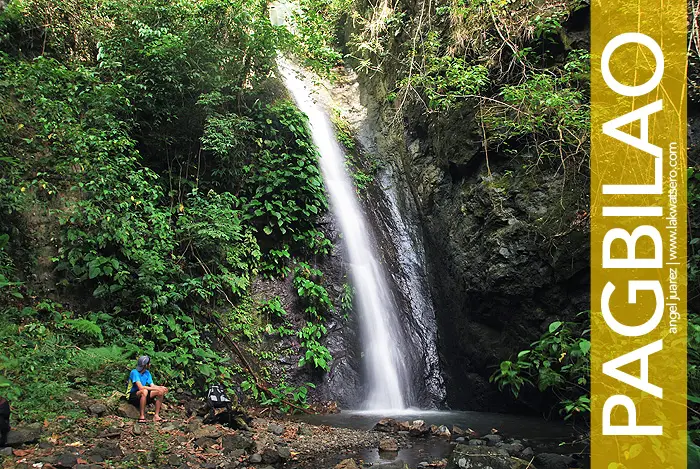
142	362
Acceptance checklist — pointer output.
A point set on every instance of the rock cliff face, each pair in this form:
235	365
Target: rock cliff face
506	244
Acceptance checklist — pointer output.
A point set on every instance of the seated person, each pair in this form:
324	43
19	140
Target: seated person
143	391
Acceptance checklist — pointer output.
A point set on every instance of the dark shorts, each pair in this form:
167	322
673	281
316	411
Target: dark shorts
135	400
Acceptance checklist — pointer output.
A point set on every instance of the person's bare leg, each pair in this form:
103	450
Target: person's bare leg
159	401
142	404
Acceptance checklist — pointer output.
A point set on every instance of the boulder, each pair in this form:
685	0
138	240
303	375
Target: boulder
441	431
555	461
270	456
98	409
24	435
238	441
456	431
207	431
492	440
137	429
477	443
347	464
204	442
105	450
128	411
255	458
418	428
66	460
386	425
174	460
527	454
196	407
275	429
514	449
388	444
284	452
481	457
7	451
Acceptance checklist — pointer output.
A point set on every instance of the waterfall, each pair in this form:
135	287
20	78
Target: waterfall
381	335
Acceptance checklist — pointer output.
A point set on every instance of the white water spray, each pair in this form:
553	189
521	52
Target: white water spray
380	332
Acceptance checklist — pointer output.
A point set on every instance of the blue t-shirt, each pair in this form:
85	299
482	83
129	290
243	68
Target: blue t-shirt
144	378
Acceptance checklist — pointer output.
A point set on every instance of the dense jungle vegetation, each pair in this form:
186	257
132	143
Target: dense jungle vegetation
152	168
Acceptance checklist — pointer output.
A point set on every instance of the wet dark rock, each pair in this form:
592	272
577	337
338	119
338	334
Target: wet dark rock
477	442
270	456
527	454
6	451
514	448
386	425
457	431
480	457
24	435
234	442
103	451
255	458
555	461
481	229
196	407
492	440
66	460
388	444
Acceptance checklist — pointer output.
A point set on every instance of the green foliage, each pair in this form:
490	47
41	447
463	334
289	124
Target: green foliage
445	80
174	172
40	360
317	304
546	112
317	25
559	362
346	297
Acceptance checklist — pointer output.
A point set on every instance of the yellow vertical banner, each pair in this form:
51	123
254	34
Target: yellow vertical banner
638	234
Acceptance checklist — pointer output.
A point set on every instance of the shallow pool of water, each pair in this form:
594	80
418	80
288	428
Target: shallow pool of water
541	435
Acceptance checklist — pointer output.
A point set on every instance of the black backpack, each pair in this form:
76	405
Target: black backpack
217	398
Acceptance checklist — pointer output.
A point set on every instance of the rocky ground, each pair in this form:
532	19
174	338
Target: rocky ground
108	436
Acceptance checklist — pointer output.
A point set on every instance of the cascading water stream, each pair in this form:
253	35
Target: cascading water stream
381	334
